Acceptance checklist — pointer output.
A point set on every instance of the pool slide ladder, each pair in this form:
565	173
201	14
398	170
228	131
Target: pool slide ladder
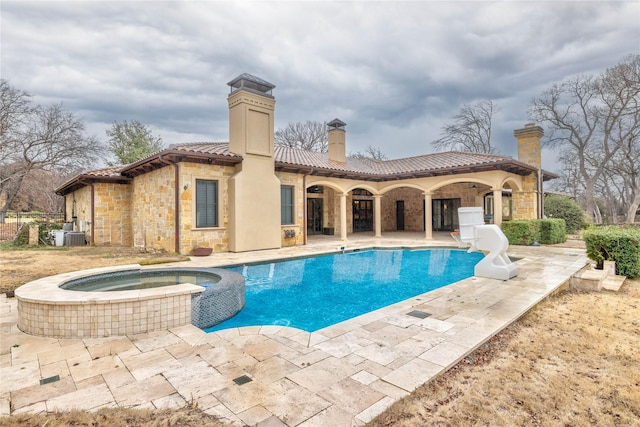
487	238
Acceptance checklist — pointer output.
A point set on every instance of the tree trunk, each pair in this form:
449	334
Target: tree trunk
630	215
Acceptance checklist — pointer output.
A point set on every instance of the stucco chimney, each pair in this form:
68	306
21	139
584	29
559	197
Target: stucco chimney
254	189
251	107
529	144
337	141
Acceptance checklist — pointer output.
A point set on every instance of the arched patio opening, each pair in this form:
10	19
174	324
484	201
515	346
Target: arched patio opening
361	210
427	205
498	204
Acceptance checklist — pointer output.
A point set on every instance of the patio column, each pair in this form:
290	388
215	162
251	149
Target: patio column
428	216
377	214
343	216
497	206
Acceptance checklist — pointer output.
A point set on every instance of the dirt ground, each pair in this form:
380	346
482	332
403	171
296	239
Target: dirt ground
572	361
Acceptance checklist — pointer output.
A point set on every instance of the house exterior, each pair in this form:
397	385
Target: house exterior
249	194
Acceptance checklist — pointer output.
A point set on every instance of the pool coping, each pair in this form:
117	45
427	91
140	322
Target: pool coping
344	374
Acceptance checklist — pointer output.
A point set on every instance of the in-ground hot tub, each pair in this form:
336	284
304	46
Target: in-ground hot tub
127	280
127	300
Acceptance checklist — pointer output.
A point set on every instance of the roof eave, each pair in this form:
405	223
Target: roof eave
172	156
84	180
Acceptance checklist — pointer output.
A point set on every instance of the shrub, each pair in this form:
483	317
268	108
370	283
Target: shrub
521	232
552	231
528	231
22	239
564	207
619	244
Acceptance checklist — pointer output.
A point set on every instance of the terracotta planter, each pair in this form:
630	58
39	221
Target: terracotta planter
201	251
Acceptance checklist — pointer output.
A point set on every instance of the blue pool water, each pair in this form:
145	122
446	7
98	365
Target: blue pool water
313	293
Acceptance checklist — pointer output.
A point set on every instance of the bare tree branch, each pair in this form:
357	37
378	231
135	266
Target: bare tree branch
309	135
470	131
595	122
38	138
371	152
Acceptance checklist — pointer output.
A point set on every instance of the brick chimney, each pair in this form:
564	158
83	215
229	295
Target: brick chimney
529	203
337	141
529	144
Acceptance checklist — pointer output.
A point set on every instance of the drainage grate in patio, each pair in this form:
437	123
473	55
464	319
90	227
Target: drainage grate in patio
419	314
50	380
242	380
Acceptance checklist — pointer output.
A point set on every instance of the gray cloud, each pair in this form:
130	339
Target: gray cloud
394	71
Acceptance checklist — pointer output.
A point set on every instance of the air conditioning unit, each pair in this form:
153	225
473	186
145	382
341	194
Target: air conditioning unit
74	239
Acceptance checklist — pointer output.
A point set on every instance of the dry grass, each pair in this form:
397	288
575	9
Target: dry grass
18	267
572	361
188	416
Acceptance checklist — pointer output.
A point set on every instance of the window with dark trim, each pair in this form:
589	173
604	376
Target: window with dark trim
286	204
206	203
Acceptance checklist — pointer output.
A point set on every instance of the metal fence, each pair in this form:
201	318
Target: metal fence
13	222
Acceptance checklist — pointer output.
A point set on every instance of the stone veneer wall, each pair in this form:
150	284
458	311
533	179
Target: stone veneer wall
112	214
413	209
331	210
191	237
153	213
104	318
297	181
525	202
82	209
463	191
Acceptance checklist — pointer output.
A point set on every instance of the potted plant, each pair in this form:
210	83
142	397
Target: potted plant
201	251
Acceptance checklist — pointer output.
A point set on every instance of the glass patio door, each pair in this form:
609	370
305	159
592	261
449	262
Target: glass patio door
445	214
362	215
314	216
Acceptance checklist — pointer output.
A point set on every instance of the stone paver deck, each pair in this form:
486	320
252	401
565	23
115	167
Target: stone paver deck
343	375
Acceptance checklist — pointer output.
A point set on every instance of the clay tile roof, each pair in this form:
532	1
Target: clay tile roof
110	171
314	160
295	159
110	174
424	165
440	161
216	148
203	152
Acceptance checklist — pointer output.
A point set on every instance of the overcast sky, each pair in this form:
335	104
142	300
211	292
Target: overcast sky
395	72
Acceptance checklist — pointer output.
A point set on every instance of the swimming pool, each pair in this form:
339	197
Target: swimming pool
313	293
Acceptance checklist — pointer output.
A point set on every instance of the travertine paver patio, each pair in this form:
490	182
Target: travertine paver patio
342	375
